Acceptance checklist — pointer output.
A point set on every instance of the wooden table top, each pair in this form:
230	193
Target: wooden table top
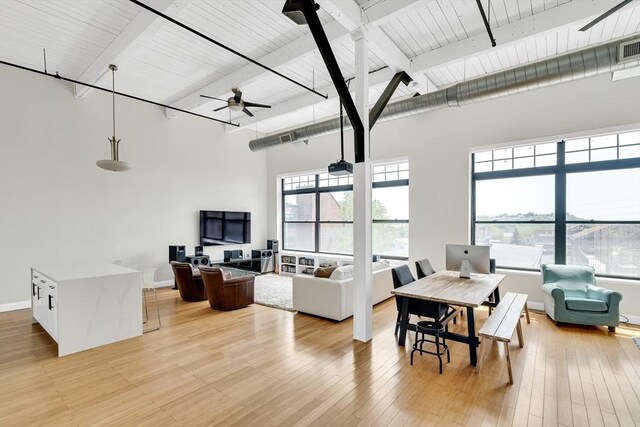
447	287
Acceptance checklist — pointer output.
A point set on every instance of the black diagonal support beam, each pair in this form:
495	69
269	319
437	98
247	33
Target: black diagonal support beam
311	16
400	77
486	23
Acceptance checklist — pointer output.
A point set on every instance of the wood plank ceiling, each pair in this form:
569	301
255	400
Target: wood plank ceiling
171	64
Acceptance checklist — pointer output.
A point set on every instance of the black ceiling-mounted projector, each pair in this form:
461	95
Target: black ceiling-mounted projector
341	167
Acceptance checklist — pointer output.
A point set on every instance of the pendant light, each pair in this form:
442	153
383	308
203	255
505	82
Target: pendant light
113	164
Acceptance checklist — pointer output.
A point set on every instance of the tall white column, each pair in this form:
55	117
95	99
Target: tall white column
362	256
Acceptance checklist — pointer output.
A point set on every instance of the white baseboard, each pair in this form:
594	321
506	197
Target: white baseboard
15	306
535	305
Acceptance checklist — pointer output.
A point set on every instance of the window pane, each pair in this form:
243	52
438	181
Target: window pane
604	141
524	162
336	238
609	248
523	151
390	239
392	167
502	154
604	195
300	207
390	203
546	148
378	169
518	245
392	176
630	152
577	144
336	206
500	165
299	236
482	156
577	157
548	160
483	167
403	166
378	177
630	138
516	199
405	174
604	154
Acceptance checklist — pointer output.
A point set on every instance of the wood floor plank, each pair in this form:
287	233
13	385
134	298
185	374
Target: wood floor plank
267	367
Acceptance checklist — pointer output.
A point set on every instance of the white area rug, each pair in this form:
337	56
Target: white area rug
637	341
273	290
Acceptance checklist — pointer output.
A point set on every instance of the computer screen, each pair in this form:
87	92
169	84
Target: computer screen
478	257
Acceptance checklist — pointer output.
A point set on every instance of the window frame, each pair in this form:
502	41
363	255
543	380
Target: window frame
317	190
560	171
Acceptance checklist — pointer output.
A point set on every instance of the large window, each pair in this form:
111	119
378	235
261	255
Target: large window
318	212
572	202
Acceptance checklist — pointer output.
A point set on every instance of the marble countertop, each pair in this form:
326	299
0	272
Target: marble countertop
61	272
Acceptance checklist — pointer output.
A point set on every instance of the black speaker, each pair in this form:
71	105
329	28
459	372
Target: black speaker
273	245
492	265
198	260
199	250
235	254
177	253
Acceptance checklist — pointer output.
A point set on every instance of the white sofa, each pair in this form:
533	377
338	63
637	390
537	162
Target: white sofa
333	297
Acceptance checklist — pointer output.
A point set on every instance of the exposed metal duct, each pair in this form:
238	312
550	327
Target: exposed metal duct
561	69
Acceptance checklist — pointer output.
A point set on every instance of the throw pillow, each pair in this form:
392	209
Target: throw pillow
324	272
342	273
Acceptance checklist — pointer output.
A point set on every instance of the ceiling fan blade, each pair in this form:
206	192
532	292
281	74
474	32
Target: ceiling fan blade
221	108
238	95
253	104
606	14
212	97
247	112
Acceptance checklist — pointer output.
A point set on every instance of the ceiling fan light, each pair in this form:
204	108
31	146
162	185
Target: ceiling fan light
113	165
236	107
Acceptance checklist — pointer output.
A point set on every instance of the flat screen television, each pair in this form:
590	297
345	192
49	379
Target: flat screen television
224	228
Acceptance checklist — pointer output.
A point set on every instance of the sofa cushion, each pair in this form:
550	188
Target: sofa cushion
342	273
324	272
380	265
586	304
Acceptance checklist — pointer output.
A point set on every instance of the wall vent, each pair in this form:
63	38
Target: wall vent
286	138
628	51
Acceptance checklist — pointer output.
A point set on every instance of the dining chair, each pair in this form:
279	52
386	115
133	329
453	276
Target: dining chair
149	284
436	311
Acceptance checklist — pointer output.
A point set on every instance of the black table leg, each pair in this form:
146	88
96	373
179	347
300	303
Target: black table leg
404	320
473	340
496	296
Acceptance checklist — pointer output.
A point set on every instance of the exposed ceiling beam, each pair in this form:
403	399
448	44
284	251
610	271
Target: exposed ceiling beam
351	16
378	13
140	29
250	71
530	26
377	78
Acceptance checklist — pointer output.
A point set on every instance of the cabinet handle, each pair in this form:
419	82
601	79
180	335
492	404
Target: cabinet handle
38	292
50	305
33	286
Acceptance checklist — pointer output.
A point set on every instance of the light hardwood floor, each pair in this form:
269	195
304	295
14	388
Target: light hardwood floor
261	366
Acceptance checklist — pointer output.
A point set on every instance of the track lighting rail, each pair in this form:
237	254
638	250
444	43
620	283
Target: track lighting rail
217	43
126	95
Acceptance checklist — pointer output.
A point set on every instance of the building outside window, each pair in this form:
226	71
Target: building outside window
569	202
318	212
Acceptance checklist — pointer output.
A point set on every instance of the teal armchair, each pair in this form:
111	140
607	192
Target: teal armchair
571	296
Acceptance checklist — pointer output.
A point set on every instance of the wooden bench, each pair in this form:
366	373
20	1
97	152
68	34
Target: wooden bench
500	325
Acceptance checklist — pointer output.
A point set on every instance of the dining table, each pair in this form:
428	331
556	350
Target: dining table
447	287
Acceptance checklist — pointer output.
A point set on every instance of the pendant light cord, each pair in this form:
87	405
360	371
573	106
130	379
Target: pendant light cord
113	94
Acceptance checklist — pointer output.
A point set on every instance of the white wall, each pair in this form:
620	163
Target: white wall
57	205
438	146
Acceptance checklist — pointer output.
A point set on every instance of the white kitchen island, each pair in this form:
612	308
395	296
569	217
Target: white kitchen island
83	306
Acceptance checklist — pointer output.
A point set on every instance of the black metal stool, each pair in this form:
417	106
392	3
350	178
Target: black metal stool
435	329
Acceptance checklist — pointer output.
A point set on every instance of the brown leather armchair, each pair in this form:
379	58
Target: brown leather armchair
225	293
189	282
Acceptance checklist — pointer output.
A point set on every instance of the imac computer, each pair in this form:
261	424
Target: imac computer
467	259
